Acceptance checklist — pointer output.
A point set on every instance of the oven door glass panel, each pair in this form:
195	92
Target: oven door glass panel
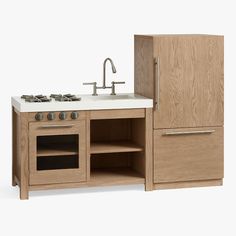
57	152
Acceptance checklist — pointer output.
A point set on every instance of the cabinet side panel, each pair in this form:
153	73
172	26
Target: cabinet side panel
88	145
23	152
143	66
15	158
138	137
212	81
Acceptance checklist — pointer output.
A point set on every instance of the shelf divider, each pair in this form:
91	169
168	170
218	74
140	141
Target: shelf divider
114	147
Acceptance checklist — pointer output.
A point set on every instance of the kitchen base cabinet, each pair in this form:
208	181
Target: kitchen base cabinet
192	154
99	148
120	147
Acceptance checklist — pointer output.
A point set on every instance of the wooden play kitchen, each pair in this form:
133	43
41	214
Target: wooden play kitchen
168	134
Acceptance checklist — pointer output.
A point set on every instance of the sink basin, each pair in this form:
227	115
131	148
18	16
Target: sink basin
112	97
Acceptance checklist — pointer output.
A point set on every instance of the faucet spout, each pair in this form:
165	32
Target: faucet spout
104	70
112	87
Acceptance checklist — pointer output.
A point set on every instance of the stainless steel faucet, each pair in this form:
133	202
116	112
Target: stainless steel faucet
104	71
104	86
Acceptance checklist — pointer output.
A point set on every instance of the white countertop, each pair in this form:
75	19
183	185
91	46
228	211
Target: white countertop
88	102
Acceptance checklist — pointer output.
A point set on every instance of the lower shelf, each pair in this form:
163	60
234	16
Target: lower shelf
100	177
115	176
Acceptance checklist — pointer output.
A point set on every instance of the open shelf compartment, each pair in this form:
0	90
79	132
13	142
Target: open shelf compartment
117	154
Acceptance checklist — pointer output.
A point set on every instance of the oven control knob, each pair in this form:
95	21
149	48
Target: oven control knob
62	115
51	116
74	115
39	116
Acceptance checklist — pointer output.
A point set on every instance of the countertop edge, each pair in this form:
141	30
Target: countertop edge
141	102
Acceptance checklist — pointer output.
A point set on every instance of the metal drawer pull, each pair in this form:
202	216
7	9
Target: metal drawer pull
157	82
189	132
56	126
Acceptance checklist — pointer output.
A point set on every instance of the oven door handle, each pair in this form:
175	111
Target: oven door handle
56	126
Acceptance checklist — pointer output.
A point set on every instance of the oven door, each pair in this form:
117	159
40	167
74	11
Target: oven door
57	152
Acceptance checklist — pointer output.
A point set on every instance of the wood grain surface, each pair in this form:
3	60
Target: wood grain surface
191	78
57	176
188	157
191	81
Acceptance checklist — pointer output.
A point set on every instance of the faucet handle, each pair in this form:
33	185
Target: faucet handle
89	83
94	87
113	86
118	82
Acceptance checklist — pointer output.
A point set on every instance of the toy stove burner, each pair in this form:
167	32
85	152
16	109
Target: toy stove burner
65	97
37	98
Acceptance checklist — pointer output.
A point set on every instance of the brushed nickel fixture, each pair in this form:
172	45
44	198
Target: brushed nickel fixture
104	86
189	132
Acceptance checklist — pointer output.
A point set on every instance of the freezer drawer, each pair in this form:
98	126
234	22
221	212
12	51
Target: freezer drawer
188	154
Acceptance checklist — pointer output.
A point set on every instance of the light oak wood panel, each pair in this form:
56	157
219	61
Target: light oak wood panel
143	66
179	35
188	157
57	176
88	144
190	81
191	78
115	176
110	130
23	155
110	160
60	175
138	136
14	147
20	174
17	151
117	114
142	162
189	184
149	150
115	146
100	177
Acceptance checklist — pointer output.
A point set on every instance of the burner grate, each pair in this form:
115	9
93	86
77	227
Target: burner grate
37	98
65	97
56	97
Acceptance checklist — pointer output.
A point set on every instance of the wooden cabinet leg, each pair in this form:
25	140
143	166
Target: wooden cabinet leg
148	151
24	158
24	193
148	187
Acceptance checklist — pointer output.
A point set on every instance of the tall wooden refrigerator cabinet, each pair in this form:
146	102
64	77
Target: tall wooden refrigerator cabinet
184	75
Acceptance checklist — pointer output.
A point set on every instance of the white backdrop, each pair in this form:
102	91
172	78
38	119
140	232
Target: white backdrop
53	46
